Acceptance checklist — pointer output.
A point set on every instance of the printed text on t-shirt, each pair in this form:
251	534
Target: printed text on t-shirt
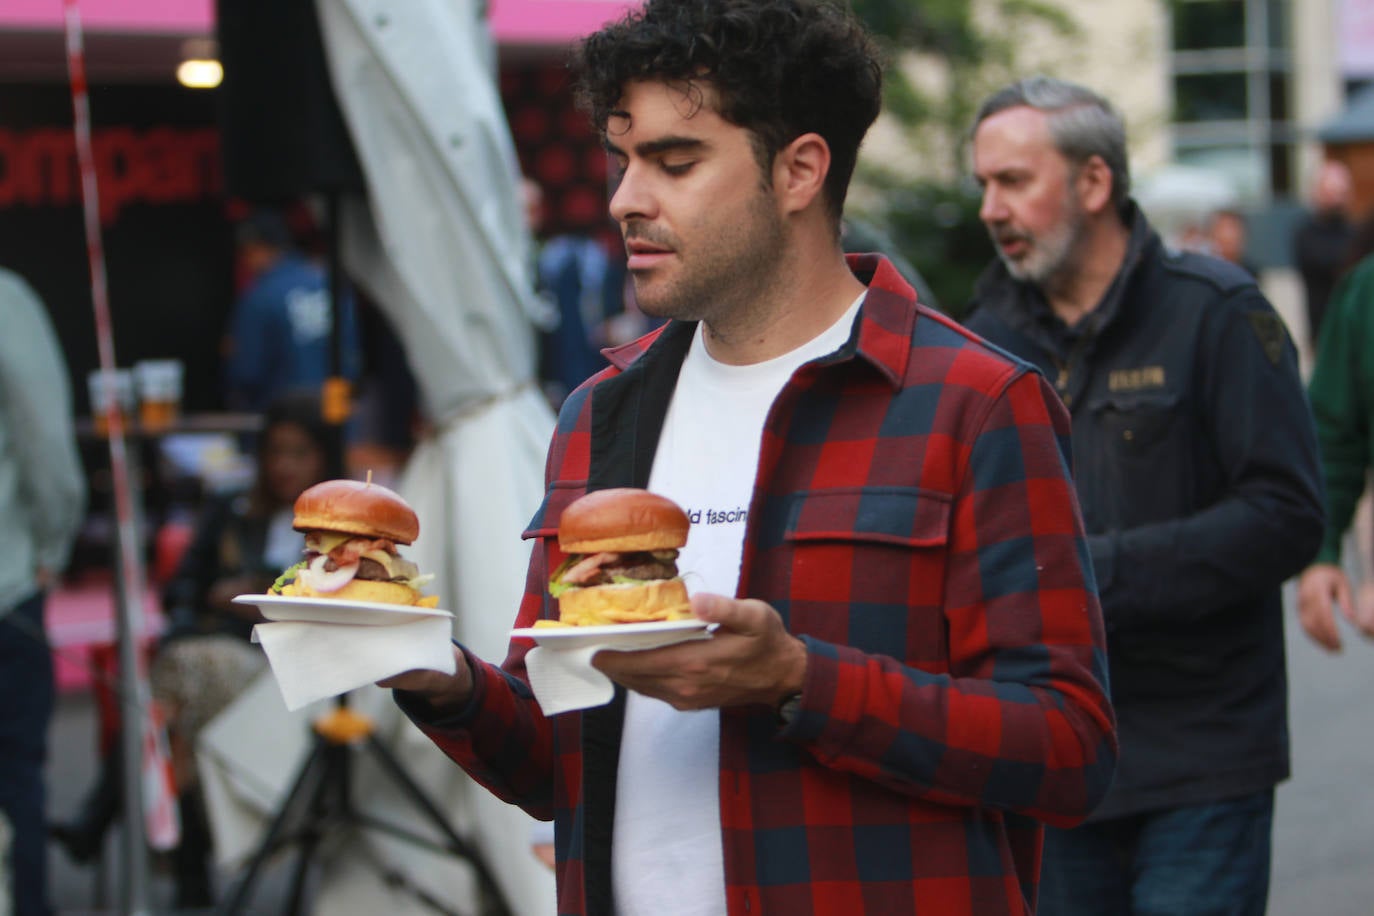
734	516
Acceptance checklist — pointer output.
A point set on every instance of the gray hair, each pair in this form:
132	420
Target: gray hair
1082	124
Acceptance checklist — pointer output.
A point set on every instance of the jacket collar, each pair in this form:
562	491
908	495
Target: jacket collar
883	336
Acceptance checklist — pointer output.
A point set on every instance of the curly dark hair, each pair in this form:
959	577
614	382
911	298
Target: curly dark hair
779	69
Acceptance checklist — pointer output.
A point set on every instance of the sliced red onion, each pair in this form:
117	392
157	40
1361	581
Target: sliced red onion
317	578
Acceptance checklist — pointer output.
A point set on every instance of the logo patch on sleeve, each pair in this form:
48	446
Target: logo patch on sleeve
1270	330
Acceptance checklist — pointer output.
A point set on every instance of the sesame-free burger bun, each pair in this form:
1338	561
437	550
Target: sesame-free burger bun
367	591
622	520
359	508
660	599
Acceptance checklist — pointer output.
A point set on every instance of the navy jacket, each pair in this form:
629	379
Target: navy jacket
1196	467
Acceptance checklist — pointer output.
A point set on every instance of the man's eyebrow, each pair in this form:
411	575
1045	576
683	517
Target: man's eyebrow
1010	171
661	145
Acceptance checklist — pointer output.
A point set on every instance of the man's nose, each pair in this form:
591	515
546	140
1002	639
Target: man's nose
632	198
992	210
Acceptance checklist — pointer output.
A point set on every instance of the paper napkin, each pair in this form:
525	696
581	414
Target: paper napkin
562	675
313	660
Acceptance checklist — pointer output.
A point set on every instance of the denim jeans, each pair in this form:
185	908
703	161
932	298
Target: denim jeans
26	684
1198	860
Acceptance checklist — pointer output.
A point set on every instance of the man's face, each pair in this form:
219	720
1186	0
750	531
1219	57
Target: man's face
1030	204
1332	193
1228	237
701	230
291	461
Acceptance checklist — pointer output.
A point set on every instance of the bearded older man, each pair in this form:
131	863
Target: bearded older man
1196	467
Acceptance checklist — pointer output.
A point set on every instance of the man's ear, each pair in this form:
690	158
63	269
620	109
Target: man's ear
799	171
1094	185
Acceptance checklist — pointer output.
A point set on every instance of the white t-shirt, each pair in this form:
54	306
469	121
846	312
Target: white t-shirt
666	855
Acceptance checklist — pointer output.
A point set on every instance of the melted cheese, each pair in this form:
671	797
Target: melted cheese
325	541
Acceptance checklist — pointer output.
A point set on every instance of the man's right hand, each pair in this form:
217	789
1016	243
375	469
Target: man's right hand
1323	587
444	693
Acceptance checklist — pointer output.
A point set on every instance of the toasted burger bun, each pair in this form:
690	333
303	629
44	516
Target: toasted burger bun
365	590
355	507
622	520
661	599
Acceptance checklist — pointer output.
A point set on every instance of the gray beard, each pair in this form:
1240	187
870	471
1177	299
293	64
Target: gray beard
1052	258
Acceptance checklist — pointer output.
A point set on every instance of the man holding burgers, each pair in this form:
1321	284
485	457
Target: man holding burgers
910	677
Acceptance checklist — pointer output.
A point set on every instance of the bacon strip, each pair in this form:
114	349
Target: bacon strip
585	569
349	552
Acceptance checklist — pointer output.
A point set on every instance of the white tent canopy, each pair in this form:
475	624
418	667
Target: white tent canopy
441	246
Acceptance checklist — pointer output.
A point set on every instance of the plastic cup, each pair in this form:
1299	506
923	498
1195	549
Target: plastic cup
159	392
104	387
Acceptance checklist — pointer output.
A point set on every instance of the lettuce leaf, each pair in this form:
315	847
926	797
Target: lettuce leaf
287	575
556	584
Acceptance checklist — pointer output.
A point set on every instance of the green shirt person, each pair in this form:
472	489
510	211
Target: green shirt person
1342	395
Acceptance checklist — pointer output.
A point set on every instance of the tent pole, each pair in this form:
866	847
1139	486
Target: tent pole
134	700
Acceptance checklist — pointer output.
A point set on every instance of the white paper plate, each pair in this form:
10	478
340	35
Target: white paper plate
620	636
331	610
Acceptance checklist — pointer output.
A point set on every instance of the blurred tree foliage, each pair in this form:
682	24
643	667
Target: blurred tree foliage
935	226
968	50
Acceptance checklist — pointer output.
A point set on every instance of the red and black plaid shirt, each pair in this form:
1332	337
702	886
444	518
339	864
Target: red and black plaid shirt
914	522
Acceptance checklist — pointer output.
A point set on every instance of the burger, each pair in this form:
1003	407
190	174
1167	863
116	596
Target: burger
621	564
351	531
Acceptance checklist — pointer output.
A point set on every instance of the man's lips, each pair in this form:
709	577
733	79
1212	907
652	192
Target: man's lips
641	255
1013	245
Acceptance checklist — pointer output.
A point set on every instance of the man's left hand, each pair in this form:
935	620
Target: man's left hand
750	659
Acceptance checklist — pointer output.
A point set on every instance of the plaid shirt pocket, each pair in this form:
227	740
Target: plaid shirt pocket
870	562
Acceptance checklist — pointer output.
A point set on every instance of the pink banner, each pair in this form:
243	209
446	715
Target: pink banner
530	22
542	22
192	16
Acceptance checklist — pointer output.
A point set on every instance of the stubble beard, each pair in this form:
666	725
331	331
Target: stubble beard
723	276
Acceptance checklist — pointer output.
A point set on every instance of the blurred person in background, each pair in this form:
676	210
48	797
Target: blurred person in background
242	543
1322	241
1192	236
576	273
386	421
1196	466
1228	238
42	497
281	325
1341	391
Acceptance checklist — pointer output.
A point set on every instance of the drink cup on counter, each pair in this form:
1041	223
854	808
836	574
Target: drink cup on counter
105	387
159	392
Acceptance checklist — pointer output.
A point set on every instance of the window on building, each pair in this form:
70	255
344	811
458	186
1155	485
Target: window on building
1201	26
1201	97
1231	86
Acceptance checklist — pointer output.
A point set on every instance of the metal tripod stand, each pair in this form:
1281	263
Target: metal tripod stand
322	794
